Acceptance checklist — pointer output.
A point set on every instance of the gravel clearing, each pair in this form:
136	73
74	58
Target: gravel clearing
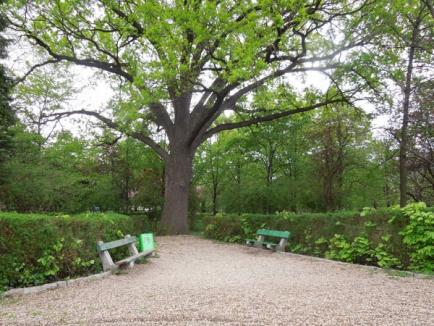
200	282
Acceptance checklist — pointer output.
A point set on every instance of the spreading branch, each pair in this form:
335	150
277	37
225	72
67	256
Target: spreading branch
113	125
114	68
221	104
267	118
32	69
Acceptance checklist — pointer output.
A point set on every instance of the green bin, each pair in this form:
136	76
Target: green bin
146	242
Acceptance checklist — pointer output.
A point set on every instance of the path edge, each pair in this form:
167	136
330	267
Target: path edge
375	268
52	286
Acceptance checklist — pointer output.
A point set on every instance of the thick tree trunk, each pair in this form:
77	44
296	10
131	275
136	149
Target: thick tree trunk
178	174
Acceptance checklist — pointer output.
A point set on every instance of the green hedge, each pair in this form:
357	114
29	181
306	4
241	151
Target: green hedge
37	248
390	238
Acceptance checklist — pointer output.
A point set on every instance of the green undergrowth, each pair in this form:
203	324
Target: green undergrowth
389	238
39	248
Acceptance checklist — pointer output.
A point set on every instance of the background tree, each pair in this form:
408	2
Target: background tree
7	115
209	166
234	163
421	146
416	29
41	94
399	55
335	133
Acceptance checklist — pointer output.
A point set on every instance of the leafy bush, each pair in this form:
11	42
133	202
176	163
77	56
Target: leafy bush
36	248
383	256
389	238
339	249
419	236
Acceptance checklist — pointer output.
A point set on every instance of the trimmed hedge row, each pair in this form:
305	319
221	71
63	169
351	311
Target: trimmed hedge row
374	237
37	248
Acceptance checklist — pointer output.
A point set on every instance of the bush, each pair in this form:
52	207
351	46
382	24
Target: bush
419	236
37	248
389	238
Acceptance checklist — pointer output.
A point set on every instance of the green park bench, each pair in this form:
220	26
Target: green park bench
130	241
264	233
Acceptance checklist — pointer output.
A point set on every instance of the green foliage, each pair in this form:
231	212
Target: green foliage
7	114
320	246
36	248
419	236
361	251
312	162
339	249
71	175
52	263
51	258
372	238
367	211
226	228
383	256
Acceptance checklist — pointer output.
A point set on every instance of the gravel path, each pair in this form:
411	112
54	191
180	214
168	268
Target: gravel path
200	282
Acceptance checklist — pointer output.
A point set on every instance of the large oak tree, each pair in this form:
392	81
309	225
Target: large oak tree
182	64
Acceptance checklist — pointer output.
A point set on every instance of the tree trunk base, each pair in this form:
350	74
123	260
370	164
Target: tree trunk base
178	173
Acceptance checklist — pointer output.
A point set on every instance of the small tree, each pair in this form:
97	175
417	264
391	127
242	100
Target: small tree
39	96
400	56
185	63
337	135
7	116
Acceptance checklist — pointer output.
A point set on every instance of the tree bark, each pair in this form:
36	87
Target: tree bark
270	174
214	199
238	181
403	147
178	174
215	182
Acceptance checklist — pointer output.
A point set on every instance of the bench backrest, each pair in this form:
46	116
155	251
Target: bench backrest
273	233
114	244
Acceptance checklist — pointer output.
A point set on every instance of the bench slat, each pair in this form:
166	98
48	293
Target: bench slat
268	243
133	258
273	233
115	244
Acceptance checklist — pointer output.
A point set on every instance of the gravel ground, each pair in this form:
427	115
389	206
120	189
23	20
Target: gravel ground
200	282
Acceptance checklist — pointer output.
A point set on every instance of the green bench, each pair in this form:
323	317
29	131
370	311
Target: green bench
264	233
107	261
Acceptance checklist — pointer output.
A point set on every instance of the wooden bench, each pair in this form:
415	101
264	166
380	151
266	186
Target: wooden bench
107	261
261	243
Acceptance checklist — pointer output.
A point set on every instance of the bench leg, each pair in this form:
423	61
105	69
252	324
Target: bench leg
132	249
259	241
106	259
282	244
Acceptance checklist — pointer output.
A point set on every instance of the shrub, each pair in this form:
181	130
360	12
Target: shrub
389	238
383	256
37	248
419	236
339	249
